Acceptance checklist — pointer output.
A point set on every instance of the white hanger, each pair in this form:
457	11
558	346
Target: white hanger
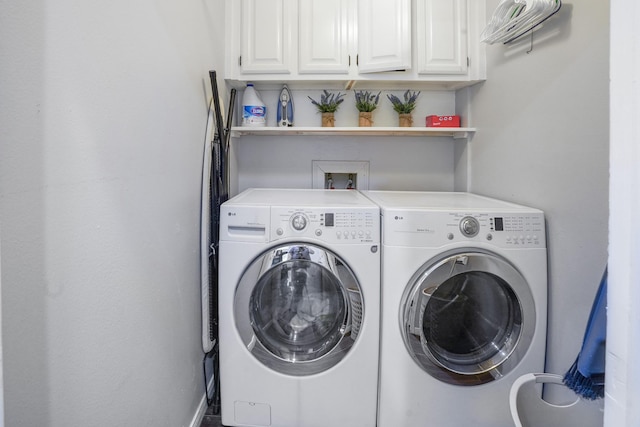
540	11
506	10
513	18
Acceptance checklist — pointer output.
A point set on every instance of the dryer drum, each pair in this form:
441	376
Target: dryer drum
469	322
468	317
294	306
297	311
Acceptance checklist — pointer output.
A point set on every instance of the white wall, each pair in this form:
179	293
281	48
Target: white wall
543	140
103	110
623	317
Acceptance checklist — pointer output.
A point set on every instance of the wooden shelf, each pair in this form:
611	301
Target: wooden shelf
456	133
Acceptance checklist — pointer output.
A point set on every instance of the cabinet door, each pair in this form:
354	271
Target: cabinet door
441	36
323	36
384	35
267	36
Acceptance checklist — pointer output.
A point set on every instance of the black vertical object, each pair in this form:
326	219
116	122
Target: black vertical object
219	194
227	138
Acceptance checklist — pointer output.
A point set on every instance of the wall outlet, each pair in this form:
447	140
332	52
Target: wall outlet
336	174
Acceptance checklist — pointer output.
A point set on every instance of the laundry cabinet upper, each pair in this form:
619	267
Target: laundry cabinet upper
303	42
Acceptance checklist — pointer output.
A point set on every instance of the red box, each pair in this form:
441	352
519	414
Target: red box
443	121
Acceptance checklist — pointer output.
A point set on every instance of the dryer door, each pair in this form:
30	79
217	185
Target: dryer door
468	317
298	308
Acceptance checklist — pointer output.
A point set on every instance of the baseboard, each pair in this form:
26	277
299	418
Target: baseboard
202	407
199	415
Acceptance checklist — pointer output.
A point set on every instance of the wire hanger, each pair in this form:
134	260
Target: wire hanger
514	18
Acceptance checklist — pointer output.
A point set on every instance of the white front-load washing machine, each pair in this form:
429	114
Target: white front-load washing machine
299	302
464	307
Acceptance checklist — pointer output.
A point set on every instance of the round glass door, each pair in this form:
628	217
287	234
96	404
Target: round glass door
468	317
295	308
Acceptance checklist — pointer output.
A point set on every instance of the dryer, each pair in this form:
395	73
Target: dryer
464	307
299	301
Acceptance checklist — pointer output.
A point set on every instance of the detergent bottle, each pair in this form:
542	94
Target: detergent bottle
254	112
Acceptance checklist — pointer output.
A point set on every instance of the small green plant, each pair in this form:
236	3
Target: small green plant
329	102
366	101
408	105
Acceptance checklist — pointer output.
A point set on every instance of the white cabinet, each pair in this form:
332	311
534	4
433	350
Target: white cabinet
317	37
384	35
441	36
354	36
307	43
323	36
267	36
447	45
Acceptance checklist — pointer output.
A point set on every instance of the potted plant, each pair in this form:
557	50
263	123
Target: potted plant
328	105
404	108
366	102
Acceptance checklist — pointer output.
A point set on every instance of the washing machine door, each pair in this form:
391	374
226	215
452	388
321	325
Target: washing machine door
298	309
468	317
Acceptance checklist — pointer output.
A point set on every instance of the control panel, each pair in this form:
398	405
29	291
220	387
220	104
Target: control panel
519	230
434	229
332	225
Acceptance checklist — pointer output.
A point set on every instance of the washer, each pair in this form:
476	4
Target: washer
464	307
299	303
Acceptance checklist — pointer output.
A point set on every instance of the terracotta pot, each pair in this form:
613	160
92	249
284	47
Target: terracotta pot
328	120
406	120
364	119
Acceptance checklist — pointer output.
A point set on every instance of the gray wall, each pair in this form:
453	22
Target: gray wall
103	112
543	140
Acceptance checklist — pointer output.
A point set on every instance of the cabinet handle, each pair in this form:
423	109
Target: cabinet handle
240	60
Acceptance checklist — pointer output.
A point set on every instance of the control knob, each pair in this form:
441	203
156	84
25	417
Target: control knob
469	226
299	221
